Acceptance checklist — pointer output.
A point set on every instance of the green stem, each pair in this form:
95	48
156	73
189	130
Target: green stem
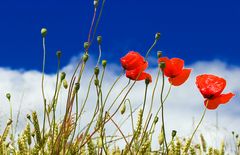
204	112
42	85
150	49
163	125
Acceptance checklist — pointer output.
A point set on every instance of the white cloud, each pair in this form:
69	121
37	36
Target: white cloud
184	104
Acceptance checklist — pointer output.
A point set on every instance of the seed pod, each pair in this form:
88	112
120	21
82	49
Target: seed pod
159	54
157	36
65	84
123	109
85	58
43	32
99	39
62	76
58	53
104	63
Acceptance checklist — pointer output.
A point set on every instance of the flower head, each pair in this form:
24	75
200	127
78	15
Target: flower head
175	71
211	88
135	65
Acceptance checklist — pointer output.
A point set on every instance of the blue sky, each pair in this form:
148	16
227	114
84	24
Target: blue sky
192	30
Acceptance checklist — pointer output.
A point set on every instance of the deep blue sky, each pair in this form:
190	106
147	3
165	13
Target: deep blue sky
192	30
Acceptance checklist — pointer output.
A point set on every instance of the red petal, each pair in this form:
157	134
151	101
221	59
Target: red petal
132	60
215	102
173	67
181	78
135	75
210	85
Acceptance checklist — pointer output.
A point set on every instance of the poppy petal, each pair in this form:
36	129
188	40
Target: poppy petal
222	99
178	65
135	75
181	78
173	67
210	86
132	60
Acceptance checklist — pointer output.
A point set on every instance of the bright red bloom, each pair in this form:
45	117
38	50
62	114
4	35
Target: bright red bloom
211	87
134	64
175	70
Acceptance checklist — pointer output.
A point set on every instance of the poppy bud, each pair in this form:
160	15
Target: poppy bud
162	65
95	3
147	81
155	120
96	71
59	53
104	63
29	117
85	57
65	84
77	86
123	109
8	95
86	45
96	82
99	39
159	54
9	122
237	136
44	32
157	36
62	76
233	132
174	132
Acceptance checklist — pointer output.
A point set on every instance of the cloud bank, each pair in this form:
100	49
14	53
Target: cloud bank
182	111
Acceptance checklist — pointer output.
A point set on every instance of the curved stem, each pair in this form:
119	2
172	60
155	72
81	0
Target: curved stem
204	112
150	49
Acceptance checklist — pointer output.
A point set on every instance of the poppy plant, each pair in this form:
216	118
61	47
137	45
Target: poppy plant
211	88
175	71
134	64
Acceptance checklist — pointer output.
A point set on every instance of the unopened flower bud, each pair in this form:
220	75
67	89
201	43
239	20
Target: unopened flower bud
123	109
44	32
99	39
147	81
233	132
77	86
8	95
174	133
95	3
159	54
86	45
9	122
58	53
96	71
155	120
28	116
62	76
157	36
104	63
65	84
237	136
162	65
85	57
96	82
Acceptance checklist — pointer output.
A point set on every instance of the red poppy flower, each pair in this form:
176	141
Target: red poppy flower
134	64
211	87
174	70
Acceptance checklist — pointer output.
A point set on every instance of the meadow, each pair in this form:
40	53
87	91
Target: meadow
92	128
